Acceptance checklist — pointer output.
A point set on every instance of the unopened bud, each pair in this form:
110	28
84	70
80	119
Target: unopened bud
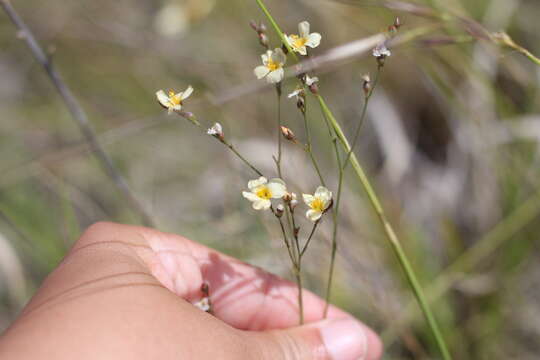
366	84
288	134
397	23
253	25
262	27
188	115
263	39
279	210
293	203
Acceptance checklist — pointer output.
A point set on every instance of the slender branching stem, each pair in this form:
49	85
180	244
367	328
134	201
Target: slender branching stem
77	113
309	148
374	200
279	135
309	237
242	158
362	118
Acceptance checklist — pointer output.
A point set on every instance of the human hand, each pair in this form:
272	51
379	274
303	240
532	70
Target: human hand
124	292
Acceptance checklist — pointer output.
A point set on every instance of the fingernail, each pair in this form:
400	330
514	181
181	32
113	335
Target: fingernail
345	339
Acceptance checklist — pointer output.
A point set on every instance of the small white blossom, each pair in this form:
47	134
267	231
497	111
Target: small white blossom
272	67
173	101
299	42
311	80
380	51
261	191
216	130
299	91
318	203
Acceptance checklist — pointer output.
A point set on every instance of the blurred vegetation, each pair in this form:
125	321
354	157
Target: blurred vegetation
451	142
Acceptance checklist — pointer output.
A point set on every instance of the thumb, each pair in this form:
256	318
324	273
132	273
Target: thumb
331	339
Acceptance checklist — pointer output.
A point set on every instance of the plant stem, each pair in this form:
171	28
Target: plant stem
77	113
388	229
362	117
244	160
391	235
309	237
309	150
278	161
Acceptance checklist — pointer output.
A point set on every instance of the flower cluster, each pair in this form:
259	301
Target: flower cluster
274	60
261	192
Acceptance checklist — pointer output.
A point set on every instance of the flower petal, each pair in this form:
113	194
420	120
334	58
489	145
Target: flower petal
262	204
275	76
187	93
323	193
277	189
302	50
261	71
313	215
163	98
252	184
279	56
266	56
308	198
313	40
250	196
303	29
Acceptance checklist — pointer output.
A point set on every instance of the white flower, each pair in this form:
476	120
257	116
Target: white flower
272	67
216	130
261	191
311	80
318	203
173	102
380	51
299	91
299	42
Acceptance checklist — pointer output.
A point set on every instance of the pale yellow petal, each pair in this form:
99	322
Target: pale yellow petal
275	76
187	93
313	40
313	215
303	29
261	71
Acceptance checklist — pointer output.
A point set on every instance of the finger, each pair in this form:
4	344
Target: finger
333	339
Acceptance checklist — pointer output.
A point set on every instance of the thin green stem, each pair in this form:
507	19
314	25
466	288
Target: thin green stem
391	235
279	135
309	238
388	229
309	150
233	149
362	117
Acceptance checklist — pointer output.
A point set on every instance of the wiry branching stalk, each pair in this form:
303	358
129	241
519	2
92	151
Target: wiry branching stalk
374	200
77	113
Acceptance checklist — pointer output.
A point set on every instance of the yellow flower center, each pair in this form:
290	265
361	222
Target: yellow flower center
272	65
174	99
317	204
298	42
264	193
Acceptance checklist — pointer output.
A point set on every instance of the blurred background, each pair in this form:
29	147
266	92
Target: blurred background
450	142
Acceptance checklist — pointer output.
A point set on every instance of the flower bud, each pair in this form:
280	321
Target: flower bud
188	115
288	134
366	84
263	39
253	25
293	203
279	210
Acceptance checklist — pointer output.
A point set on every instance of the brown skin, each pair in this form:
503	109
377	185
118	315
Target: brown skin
124	292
